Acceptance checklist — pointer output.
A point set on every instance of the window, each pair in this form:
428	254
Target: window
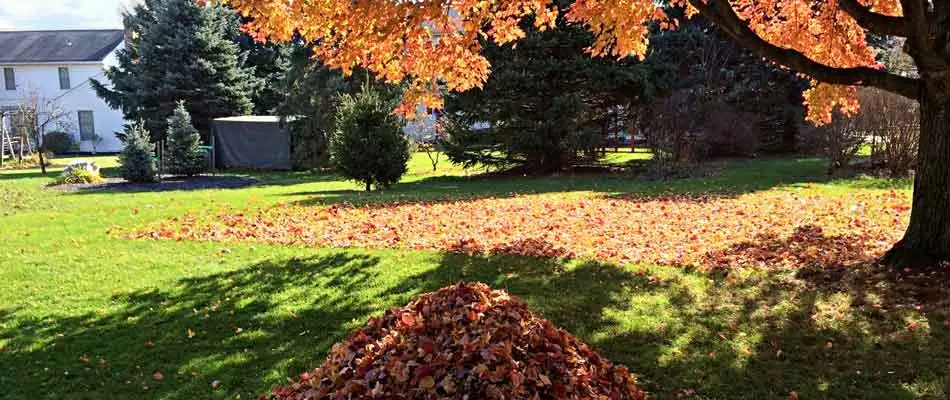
9	78
87	127
63	78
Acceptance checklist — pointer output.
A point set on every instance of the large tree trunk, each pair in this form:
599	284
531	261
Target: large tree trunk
927	240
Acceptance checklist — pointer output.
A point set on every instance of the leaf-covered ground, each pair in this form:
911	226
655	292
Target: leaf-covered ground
771	229
87	315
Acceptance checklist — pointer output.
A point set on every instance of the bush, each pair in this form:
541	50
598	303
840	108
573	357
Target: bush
893	122
690	126
136	157
59	142
183	156
77	176
368	144
463	341
839	141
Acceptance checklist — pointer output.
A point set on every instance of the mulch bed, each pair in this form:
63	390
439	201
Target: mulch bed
119	185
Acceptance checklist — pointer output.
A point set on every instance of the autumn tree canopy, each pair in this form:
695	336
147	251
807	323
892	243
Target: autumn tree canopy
434	45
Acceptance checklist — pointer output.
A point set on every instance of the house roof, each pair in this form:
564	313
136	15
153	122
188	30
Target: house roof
58	46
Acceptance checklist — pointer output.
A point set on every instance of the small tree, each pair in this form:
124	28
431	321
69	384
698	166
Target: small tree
183	154
136	157
368	144
35	115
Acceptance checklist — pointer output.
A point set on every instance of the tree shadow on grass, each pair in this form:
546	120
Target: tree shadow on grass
247	329
737	335
806	247
743	176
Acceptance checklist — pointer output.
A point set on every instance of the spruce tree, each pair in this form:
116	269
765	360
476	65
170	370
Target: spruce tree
548	104
135	160
182	154
368	144
178	50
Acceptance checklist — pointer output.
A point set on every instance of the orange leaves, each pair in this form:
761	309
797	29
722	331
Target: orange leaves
507	353
619	26
822	99
434	44
766	229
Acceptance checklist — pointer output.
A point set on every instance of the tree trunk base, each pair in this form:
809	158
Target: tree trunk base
904	256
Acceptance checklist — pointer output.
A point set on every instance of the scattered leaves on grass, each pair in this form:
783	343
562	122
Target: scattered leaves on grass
433	348
765	229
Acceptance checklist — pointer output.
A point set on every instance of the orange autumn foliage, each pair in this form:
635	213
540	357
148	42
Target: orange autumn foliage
434	44
771	229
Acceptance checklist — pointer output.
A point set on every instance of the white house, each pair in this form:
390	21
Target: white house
55	68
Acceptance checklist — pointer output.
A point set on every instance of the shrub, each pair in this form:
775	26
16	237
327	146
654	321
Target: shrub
839	141
183	156
59	142
692	125
893	123
76	176
136	157
463	341
368	144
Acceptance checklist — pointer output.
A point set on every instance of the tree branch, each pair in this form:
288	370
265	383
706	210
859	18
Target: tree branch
721	13
872	21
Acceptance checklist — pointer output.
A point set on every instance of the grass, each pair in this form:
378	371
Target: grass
84	315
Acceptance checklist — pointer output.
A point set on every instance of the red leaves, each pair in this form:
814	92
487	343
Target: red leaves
506	353
766	229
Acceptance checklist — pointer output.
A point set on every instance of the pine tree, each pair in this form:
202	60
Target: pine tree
547	102
179	50
311	93
368	144
182	154
136	164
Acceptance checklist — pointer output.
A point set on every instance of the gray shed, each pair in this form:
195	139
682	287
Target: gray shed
253	141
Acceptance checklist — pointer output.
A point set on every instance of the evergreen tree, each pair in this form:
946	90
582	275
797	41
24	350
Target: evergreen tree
546	104
368	144
178	50
182	154
311	96
135	160
269	63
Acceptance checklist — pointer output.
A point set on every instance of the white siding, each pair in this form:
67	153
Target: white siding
44	80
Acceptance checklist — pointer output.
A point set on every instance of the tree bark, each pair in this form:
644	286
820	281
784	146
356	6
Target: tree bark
927	240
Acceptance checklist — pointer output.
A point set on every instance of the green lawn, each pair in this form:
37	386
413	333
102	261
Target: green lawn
85	315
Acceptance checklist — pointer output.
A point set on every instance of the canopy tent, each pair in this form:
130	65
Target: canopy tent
258	142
